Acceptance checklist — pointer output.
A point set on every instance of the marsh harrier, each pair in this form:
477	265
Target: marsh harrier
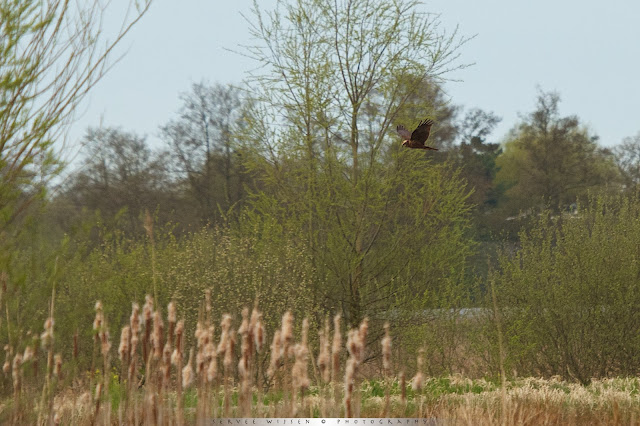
419	136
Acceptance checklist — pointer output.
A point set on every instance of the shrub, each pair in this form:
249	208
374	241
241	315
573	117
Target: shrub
570	297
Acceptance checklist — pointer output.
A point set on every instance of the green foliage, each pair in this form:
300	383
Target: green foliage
445	330
628	159
383	227
51	54
570	298
311	205
238	269
476	159
412	219
552	160
25	142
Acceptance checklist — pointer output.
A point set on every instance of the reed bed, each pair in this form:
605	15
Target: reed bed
153	378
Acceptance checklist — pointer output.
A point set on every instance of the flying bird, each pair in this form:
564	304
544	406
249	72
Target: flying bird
419	136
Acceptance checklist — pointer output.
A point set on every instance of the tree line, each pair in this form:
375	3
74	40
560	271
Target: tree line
202	172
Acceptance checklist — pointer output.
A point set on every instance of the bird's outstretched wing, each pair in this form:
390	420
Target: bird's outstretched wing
404	133
421	133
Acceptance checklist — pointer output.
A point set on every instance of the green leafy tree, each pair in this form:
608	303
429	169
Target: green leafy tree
477	158
385	227
549	159
628	160
426	97
52	52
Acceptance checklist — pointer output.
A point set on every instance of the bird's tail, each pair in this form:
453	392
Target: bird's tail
428	147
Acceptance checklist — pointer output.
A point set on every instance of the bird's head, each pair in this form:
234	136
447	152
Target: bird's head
405	142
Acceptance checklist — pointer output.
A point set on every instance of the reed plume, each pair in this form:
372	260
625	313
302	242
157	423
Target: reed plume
386	366
299	372
336	348
356	340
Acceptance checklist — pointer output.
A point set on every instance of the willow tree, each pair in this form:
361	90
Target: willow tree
52	52
384	227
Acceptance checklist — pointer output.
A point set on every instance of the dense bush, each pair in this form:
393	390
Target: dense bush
570	297
235	267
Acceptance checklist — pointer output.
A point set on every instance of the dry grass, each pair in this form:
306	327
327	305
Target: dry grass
152	378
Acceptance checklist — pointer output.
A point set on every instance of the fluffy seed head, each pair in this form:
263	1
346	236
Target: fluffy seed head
244	325
275	354
386	348
212	369
187	371
363	330
299	371
259	335
418	379
105	343
179	337
125	339
16	372
228	352
147	309
156	337
336	346
166	354
28	354
225	334
417	382
171	312
97	322
324	356
353	344
48	324
47	336
286	335
57	369
349	379
134	320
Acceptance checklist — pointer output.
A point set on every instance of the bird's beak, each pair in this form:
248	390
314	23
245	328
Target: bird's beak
404	143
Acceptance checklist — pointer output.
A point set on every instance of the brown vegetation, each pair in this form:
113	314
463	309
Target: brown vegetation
153	386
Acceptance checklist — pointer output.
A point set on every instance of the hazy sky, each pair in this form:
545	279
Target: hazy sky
588	51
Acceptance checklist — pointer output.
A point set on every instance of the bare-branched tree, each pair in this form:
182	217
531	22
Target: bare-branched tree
202	141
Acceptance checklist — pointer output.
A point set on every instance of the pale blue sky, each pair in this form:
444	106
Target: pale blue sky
588	51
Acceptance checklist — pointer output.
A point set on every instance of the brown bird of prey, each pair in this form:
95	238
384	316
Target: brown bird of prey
418	137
